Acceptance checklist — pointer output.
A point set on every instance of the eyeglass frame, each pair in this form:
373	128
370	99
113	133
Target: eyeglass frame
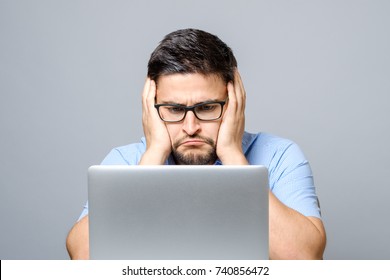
191	108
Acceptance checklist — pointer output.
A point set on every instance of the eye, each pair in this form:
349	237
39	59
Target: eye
175	110
207	107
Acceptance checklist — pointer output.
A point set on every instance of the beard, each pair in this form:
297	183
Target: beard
193	158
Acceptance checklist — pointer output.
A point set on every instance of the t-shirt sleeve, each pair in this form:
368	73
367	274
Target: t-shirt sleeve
115	157
291	180
84	212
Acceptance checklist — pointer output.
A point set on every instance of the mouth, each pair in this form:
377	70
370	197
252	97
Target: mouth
192	142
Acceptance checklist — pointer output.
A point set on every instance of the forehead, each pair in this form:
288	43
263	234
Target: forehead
190	88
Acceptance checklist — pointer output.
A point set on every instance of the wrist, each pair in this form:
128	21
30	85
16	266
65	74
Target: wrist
233	157
154	157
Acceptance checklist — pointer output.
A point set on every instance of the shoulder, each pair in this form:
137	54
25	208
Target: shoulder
126	155
263	148
282	157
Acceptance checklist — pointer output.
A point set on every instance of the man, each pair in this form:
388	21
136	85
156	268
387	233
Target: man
193	113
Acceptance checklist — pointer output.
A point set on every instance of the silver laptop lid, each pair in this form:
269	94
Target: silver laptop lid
178	212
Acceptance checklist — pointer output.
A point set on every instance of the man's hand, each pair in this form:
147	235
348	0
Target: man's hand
231	131
158	143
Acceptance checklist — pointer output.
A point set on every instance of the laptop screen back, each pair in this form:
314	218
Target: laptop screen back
178	212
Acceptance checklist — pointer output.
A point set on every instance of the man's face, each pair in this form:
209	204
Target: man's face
193	141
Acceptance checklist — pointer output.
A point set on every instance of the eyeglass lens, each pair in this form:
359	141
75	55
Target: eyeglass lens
209	111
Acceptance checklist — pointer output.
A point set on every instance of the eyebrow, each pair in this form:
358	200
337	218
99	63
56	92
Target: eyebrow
178	104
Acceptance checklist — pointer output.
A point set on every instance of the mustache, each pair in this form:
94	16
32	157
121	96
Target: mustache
197	137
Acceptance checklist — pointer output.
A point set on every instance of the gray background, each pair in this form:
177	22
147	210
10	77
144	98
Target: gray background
71	74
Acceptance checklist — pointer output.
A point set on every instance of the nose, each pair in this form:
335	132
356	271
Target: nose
191	124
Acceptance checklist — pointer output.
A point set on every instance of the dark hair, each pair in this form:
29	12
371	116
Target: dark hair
192	51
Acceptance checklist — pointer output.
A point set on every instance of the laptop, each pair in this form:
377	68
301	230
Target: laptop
178	212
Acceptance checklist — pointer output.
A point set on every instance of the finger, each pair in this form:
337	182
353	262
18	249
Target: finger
239	85
146	88
151	97
145	93
151	100
232	101
240	90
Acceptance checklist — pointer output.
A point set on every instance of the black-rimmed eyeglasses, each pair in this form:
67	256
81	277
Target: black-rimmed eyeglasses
206	111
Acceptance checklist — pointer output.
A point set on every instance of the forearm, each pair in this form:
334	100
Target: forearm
77	242
292	235
235	157
154	157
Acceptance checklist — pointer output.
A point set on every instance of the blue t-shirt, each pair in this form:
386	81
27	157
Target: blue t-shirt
290	175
